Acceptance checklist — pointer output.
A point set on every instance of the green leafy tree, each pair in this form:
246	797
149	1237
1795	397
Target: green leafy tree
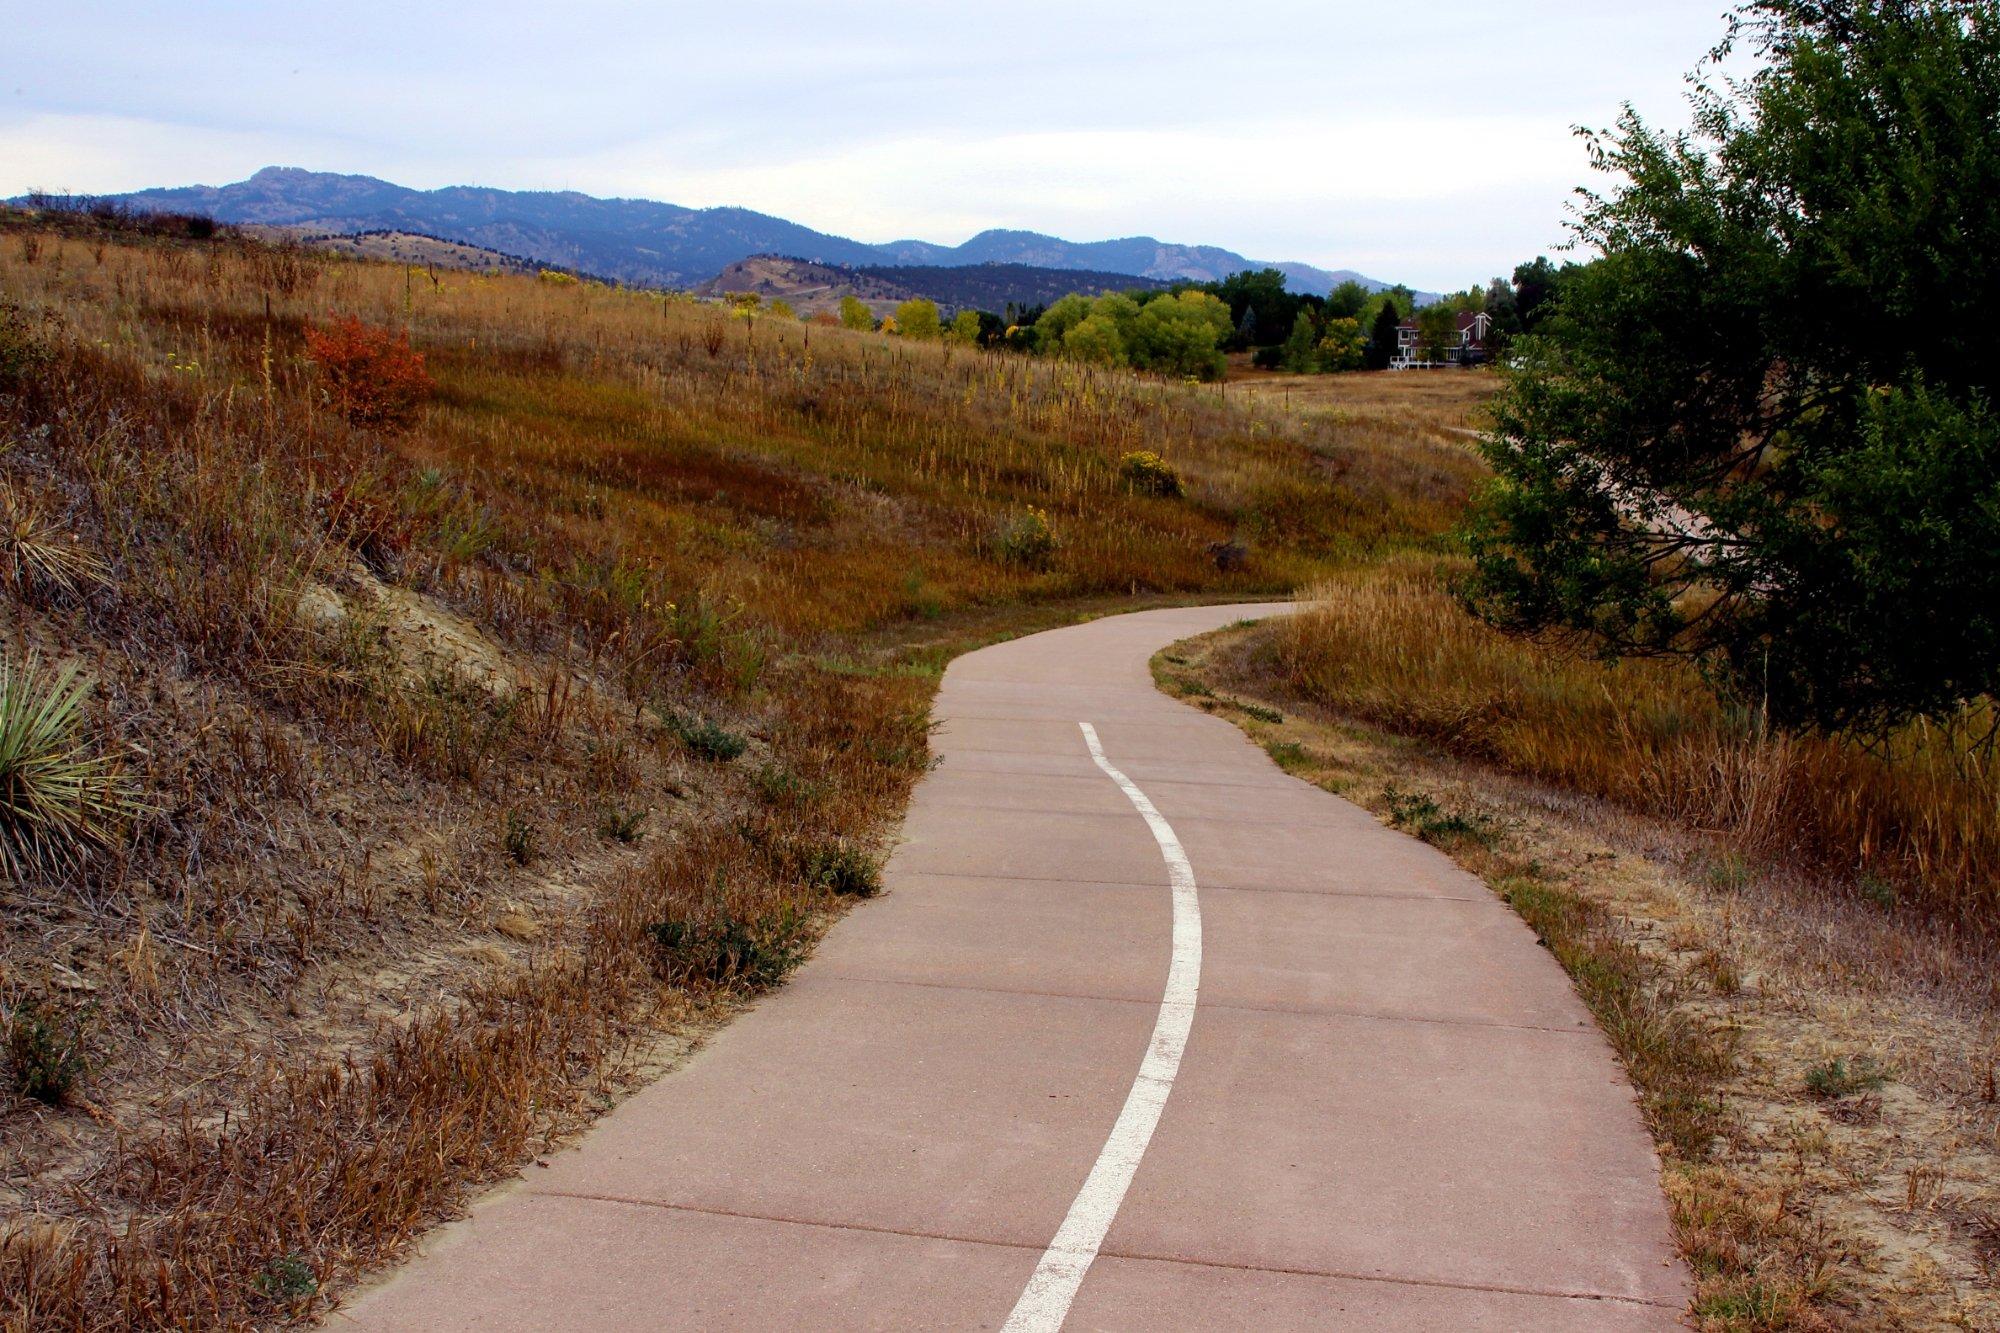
1056	322
1758	431
1097	340
965	328
1180	334
1299	352
1340	345
1437	330
855	314
917	318
1260	296
1536	286
1347	300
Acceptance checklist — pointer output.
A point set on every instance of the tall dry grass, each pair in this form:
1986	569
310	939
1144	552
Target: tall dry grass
1916	819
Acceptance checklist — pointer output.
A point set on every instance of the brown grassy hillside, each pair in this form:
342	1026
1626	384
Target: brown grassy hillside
437	778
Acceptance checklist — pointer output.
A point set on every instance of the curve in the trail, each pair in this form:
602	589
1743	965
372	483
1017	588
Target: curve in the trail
1393	1112
1045	1304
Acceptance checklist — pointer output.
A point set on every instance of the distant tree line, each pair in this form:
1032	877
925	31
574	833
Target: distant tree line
1188	330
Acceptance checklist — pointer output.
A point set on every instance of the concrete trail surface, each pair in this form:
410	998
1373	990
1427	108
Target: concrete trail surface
1145	1035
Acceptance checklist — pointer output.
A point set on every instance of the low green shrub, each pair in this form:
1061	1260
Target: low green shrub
45	1055
750	954
704	738
841	868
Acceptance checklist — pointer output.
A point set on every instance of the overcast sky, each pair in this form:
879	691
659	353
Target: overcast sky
1424	142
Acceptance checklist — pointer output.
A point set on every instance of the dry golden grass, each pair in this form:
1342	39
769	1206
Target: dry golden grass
1449	403
475	756
1911	824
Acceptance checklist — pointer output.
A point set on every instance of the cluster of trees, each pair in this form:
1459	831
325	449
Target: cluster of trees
1759	431
921	318
1177	333
1187	330
1170	333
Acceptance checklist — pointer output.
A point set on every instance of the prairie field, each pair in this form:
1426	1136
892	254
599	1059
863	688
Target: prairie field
1451	401
451	754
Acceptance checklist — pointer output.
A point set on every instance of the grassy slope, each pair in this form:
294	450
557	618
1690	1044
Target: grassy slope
434	726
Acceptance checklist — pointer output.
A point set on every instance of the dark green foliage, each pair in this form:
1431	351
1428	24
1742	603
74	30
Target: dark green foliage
844	869
1260	308
517	836
1382	337
622	825
1757	432
1424	817
1836	1079
704	738
1537	285
45	1055
1346	300
289	1277
750	954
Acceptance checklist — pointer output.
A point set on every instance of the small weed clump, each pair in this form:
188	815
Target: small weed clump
1836	1079
1288	755
705	738
1424	817
746	953
1149	474
622	825
373	376
288	1278
781	786
517	836
844	870
1262	714
45	1055
1026	539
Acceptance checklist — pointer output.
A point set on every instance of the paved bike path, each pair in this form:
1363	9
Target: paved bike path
982	1102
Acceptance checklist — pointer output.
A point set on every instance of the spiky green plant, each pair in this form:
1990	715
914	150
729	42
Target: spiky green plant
57	794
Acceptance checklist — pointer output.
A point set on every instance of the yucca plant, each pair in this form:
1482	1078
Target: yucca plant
57	796
36	553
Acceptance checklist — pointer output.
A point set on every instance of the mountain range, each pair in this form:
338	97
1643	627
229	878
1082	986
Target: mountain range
646	242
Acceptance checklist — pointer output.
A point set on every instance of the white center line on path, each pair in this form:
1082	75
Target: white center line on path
1045	1304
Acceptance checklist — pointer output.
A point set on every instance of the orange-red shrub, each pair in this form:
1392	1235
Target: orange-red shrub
372	374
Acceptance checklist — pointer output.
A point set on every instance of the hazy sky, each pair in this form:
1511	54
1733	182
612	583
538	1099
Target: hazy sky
1428	142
